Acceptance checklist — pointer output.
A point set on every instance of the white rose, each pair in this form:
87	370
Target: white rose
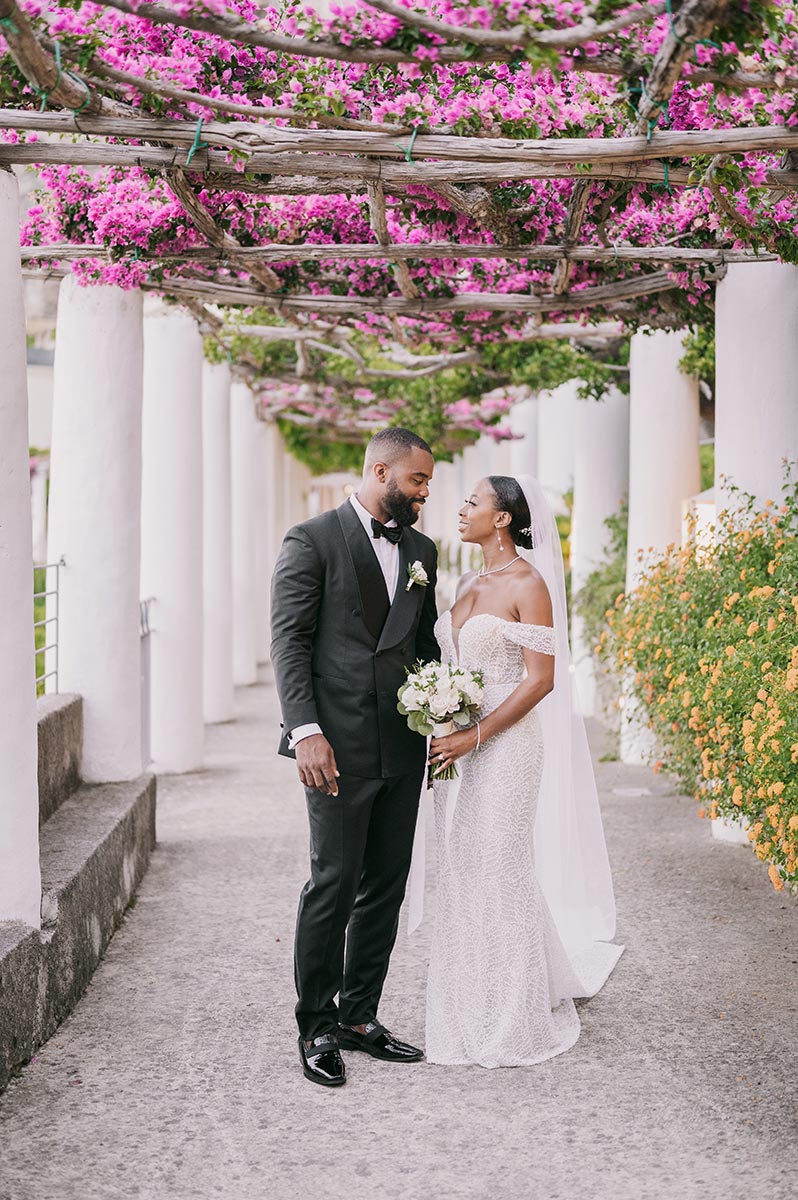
412	698
417	574
440	704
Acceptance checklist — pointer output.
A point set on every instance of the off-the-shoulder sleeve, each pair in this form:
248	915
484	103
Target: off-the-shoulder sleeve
531	637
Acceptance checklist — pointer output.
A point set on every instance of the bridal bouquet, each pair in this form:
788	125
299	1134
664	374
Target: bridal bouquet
438	699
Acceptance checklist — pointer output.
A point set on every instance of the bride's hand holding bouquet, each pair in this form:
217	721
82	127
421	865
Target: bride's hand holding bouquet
440	699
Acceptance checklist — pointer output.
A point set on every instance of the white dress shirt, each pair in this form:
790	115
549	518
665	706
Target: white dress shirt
387	553
388	558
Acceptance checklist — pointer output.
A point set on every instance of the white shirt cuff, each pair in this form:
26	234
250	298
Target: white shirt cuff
300	733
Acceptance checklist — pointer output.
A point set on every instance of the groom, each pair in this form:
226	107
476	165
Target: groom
353	605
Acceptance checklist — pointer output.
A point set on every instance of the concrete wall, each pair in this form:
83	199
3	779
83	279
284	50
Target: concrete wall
95	848
60	742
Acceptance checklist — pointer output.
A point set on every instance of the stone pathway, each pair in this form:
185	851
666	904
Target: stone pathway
177	1077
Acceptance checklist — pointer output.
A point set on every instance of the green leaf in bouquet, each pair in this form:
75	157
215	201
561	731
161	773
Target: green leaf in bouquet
419	724
462	718
401	708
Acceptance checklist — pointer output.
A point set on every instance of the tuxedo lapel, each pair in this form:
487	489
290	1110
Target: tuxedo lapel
374	600
405	602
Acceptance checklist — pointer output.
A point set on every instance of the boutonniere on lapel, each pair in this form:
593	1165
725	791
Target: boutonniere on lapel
416	574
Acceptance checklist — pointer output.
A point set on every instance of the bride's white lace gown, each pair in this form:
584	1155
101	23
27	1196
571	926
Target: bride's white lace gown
500	982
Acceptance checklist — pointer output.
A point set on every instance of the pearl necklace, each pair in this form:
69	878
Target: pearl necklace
495	570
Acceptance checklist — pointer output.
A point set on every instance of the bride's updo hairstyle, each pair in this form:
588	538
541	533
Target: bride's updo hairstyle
510	498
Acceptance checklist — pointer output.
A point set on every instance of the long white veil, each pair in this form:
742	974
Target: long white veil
570	852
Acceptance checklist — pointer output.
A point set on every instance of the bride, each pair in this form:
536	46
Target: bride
525	906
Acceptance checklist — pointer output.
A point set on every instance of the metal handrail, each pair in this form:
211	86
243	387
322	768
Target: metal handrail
145	629
53	620
144	616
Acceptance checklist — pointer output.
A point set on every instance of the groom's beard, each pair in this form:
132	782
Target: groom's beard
399	506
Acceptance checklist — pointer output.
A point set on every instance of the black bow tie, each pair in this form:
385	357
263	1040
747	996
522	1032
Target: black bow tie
392	532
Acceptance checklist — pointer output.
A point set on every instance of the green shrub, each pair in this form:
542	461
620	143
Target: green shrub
709	641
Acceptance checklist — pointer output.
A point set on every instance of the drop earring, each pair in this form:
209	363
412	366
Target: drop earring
499	536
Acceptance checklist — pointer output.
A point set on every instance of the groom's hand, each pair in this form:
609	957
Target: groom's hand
316	762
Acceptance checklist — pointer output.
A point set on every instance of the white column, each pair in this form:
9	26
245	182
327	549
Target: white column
440	522
476	463
95	519
280	457
296	480
458	554
263	539
217	562
272	474
171	559
556	417
438	514
663	472
243	441
601	484
20	883
499	455
524	451
663	445
314	502
38	499
756	405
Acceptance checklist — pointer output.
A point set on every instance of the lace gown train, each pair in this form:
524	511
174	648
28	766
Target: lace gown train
500	981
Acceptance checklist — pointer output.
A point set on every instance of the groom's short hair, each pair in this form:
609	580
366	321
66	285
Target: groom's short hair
390	445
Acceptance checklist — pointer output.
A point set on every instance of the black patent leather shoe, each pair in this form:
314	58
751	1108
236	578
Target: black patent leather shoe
379	1043
322	1062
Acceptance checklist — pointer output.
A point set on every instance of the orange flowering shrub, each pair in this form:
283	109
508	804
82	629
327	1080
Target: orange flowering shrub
710	640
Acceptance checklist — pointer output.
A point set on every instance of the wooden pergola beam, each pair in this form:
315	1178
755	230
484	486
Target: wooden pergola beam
267	143
740	80
336	337
577	209
261	274
694	21
379	224
321	252
56	85
253	35
101	74
225	293
312	174
520	36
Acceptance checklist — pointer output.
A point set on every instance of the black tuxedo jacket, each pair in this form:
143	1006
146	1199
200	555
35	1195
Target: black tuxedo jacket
339	648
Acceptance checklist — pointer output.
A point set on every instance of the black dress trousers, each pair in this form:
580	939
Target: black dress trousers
361	843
